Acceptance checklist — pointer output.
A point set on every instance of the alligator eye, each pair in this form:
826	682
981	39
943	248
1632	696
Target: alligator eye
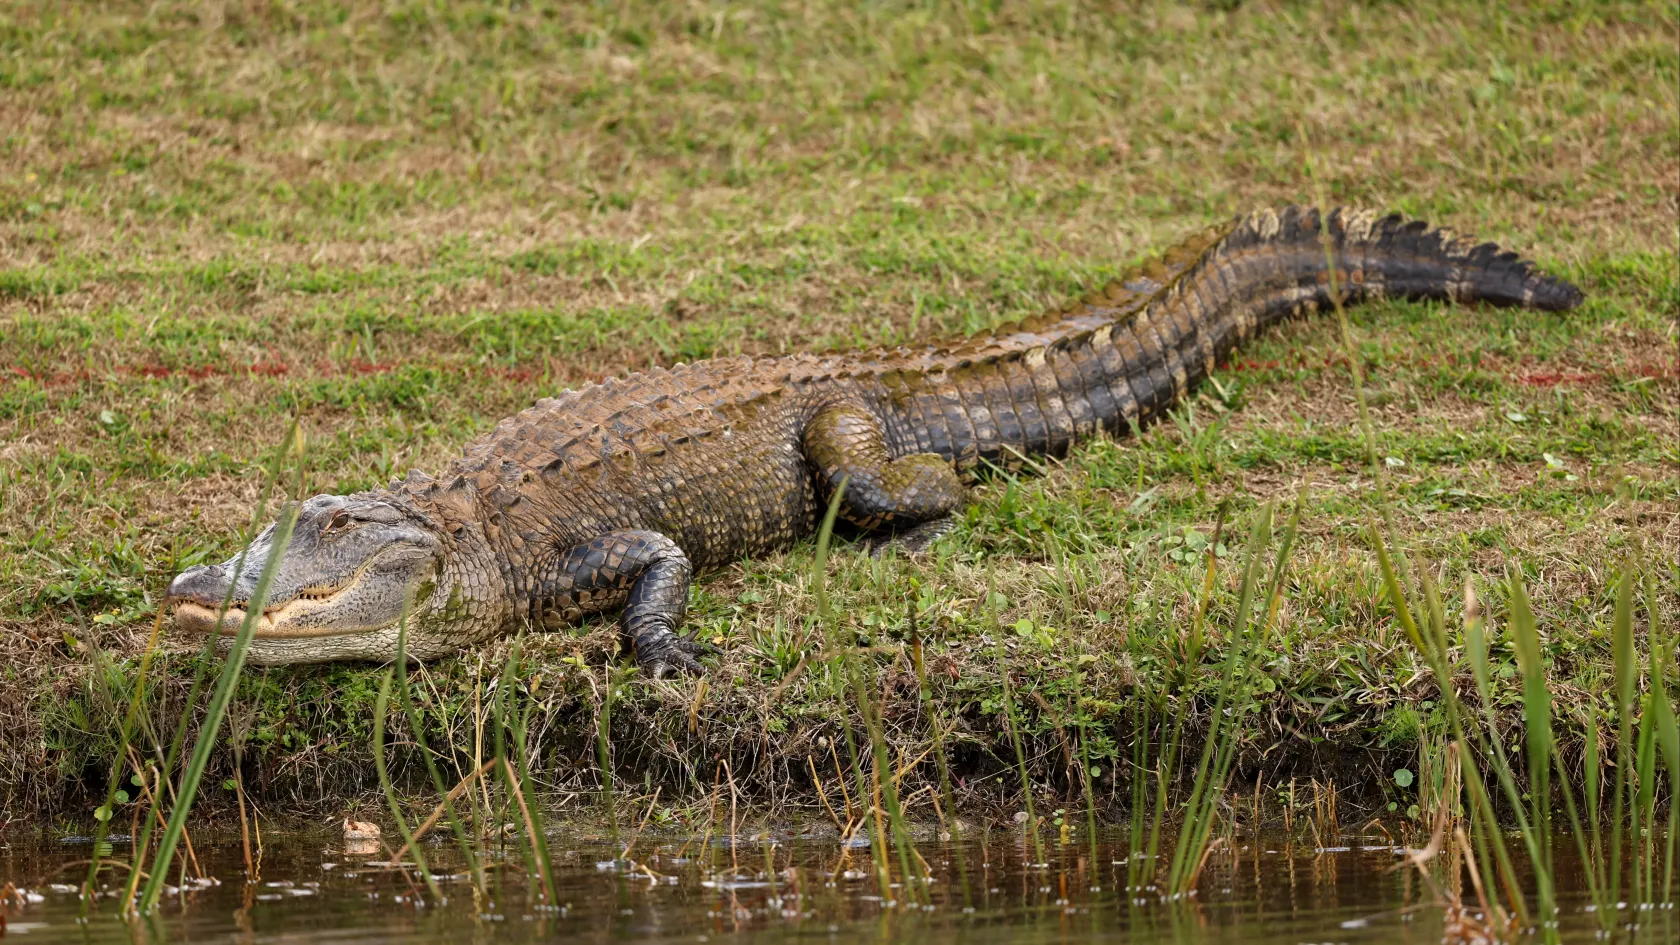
339	522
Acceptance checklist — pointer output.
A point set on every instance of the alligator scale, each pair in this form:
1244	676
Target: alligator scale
610	497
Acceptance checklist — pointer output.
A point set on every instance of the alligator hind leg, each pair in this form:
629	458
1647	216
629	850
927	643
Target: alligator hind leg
909	494
645	571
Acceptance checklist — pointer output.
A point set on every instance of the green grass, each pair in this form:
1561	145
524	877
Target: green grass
397	226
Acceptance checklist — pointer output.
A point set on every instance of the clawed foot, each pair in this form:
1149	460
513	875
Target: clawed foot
911	541
672	654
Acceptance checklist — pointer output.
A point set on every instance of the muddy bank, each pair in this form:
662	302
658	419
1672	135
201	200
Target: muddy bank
299	737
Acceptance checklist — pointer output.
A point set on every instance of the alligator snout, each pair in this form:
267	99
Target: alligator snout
205	584
196	597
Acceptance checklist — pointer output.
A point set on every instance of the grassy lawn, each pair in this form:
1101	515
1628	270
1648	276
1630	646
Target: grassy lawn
397	225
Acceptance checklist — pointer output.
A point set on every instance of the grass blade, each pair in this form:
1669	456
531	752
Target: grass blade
1013	723
1537	716
382	706
417	729
136	698
188	790
1627	680
1219	746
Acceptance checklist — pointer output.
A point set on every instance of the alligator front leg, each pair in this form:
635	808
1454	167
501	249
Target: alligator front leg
915	493
643	570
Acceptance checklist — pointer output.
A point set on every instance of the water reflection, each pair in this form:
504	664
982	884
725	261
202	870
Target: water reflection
782	888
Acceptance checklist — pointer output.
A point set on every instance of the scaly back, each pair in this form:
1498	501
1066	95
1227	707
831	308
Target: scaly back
1118	356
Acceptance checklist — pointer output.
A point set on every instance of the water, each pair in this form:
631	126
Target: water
789	889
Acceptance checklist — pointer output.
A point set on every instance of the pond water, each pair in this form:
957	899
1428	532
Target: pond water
308	889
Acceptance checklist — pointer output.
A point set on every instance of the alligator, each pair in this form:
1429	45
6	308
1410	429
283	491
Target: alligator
611	496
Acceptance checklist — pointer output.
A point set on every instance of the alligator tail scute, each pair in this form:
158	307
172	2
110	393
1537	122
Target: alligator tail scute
1123	354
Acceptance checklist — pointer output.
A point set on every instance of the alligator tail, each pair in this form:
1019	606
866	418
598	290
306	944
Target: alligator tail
1120	357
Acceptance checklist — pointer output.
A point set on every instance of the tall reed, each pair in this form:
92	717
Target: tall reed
1012	722
603	750
156	796
1424	623
417	729
104	812
840	652
888	824
1232	698
381	706
1631	819
1073	706
936	720
886	786
1243	647
168	762
187	791
1664	667
508	720
1165	764
936	723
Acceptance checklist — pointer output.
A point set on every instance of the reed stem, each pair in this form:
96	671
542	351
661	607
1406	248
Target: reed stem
382	706
229	678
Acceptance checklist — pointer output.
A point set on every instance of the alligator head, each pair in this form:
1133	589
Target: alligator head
353	568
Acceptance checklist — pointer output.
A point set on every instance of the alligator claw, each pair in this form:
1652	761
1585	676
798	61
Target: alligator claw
675	662
695	647
910	541
675	654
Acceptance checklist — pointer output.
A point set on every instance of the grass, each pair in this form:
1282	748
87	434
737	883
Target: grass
397	227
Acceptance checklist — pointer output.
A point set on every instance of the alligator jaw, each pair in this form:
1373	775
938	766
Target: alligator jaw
273	624
194	617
